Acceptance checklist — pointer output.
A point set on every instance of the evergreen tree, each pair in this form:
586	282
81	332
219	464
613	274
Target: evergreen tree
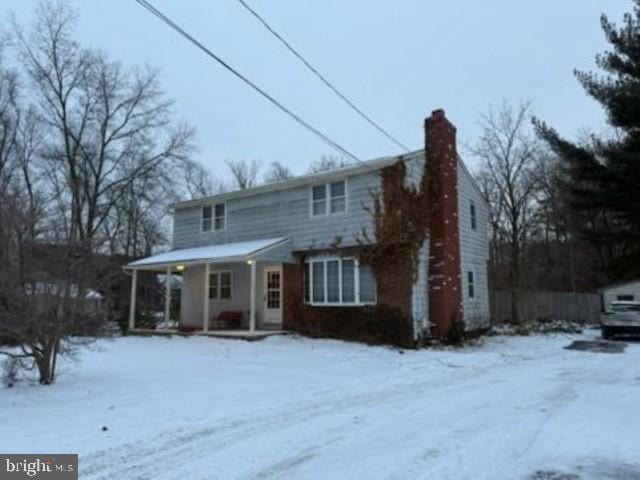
601	178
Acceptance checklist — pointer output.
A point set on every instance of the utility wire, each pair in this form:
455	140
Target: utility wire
342	150
320	76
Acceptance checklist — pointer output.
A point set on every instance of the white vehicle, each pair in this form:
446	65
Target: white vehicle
622	318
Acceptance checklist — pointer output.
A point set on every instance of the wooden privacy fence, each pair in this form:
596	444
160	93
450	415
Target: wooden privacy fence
537	306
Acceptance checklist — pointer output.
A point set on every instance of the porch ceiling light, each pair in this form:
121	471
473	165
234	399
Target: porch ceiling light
249	262
180	268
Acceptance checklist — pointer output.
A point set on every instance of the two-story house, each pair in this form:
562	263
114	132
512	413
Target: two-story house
408	232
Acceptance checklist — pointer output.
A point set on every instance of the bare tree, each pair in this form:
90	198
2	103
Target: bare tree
277	172
9	121
509	151
41	312
243	172
199	182
103	139
107	127
327	162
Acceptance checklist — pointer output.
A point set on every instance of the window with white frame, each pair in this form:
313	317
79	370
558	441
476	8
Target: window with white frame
471	286
207	211
338	281
220	221
220	285
337	197
307	278
329	198
214	216
319	200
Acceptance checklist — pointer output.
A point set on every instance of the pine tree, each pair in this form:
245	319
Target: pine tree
602	176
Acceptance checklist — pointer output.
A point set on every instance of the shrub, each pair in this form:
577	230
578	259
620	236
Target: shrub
375	325
10	369
457	333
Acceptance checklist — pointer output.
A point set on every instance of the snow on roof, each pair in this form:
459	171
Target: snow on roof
212	253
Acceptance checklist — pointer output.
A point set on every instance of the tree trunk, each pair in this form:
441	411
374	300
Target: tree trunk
515	284
43	363
54	361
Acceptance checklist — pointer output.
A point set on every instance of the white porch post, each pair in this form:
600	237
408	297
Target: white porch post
167	299
205	309
252	300
132	305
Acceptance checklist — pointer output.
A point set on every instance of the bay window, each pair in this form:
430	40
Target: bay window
338	281
367	284
348	280
317	282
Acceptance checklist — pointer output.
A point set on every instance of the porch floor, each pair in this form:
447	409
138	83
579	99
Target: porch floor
231	334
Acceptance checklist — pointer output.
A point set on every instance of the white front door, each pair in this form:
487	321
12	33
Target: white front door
272	295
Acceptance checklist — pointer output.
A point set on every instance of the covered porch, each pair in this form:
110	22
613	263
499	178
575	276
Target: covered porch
232	290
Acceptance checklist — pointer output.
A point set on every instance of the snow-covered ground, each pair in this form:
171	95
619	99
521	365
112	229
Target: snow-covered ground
286	407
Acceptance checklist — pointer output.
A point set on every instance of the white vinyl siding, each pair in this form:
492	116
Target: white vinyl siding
284	213
339	282
474	250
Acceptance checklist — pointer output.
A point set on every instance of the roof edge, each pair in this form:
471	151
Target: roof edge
307	179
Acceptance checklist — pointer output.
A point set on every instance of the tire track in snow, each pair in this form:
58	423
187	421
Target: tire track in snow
156	458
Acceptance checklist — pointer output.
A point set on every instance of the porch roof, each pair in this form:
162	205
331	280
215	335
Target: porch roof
226	252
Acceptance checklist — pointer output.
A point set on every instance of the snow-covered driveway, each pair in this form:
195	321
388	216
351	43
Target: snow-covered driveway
197	408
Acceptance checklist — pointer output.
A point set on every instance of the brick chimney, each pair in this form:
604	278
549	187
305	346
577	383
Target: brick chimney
445	297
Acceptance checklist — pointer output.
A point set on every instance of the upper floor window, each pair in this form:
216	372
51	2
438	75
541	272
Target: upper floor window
471	285
472	212
319	200
338	281
329	198
337	197
214	216
221	216
206	218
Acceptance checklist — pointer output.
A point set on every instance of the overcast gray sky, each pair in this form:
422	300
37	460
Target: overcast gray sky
398	60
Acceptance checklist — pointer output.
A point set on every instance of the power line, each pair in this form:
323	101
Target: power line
335	145
321	77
